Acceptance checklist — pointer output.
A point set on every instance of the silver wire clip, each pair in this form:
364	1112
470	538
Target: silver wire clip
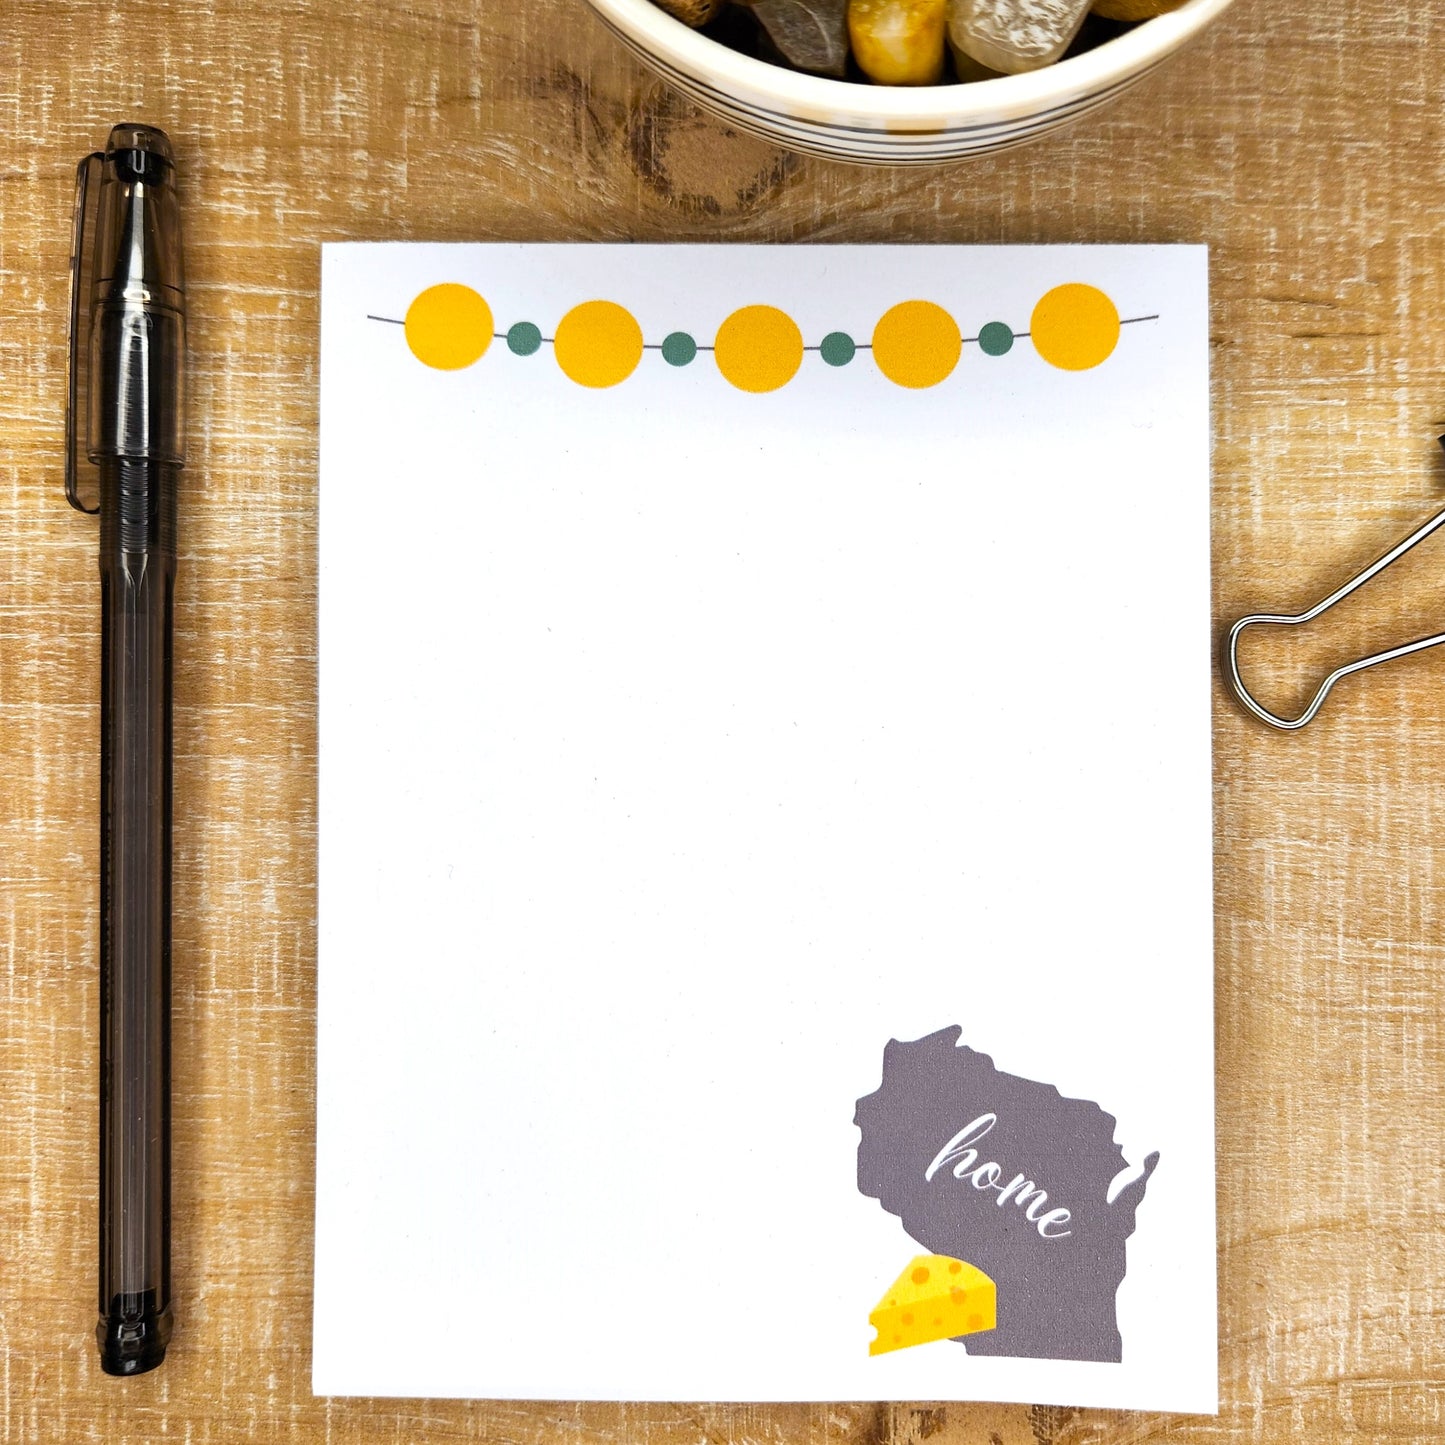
1231	650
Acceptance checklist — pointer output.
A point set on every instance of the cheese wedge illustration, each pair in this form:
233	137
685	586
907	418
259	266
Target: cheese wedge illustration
935	1298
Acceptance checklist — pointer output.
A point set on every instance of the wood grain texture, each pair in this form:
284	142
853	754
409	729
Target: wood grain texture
1302	141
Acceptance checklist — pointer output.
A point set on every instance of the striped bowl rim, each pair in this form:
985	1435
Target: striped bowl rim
851	121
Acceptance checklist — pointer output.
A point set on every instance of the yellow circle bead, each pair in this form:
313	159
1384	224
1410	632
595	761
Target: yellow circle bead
598	343
448	326
916	344
1075	327
759	348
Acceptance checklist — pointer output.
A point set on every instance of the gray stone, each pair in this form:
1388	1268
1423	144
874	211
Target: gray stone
810	34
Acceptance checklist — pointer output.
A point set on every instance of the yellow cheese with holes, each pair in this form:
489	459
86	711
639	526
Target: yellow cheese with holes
935	1298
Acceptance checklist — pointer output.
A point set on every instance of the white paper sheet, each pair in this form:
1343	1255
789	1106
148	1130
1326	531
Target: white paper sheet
682	745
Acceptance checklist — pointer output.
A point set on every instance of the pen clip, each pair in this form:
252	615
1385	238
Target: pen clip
77	400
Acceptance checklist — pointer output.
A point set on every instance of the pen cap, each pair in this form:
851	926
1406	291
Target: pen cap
127	305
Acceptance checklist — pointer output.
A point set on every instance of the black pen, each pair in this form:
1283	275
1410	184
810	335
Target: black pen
125	419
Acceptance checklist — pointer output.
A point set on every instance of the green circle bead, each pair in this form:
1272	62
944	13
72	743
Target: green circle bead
524	338
678	349
838	348
996	339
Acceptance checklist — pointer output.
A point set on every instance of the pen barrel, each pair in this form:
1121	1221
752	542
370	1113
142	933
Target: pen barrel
137	384
137	565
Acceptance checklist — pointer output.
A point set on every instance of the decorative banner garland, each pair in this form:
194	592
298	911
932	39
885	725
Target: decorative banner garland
760	348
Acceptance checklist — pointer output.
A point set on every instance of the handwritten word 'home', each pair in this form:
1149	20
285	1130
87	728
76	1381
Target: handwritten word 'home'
1023	1192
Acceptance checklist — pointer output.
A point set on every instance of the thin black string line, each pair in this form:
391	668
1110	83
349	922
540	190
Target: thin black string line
857	345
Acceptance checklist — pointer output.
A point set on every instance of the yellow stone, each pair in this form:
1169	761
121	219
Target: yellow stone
899	42
1134	9
935	1298
692	12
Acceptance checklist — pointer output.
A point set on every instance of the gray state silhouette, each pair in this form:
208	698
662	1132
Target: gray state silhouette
1055	1294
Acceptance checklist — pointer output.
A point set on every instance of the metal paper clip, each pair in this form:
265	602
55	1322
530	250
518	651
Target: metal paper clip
1231	651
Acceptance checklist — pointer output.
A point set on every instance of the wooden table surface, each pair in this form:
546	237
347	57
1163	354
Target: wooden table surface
1302	141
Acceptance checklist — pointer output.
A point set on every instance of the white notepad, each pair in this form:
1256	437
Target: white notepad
765	876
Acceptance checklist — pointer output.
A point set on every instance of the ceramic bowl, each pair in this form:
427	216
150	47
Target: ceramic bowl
897	125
